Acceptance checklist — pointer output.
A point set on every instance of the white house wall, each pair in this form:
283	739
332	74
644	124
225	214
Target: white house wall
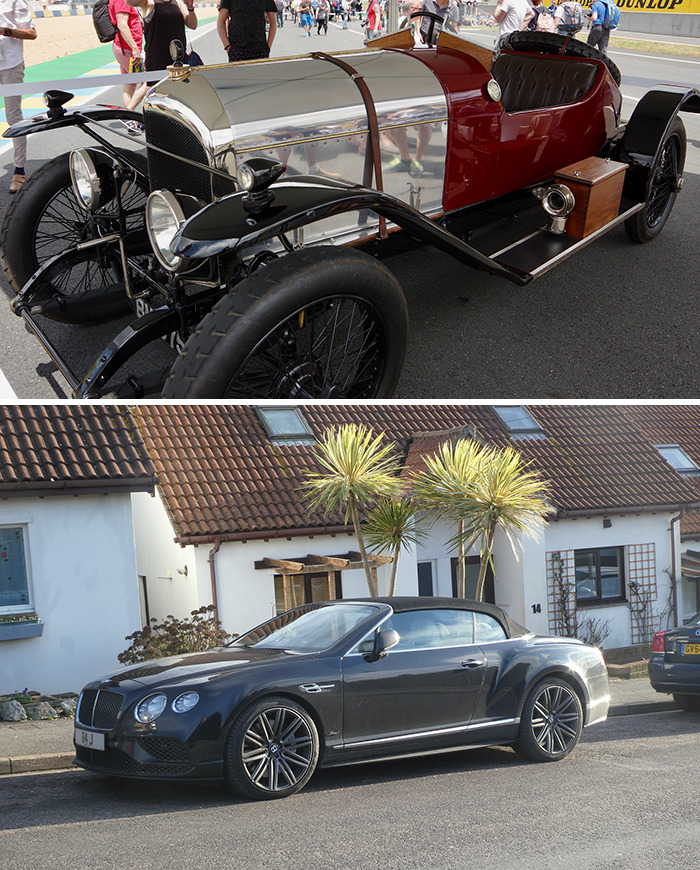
82	565
647	528
167	567
246	595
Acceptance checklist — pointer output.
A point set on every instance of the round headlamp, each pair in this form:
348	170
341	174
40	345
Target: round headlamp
185	702
150	708
93	174
164	217
259	172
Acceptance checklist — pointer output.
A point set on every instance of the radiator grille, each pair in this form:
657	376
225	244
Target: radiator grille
98	708
168	172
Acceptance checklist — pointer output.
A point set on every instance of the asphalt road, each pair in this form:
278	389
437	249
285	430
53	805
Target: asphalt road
617	321
623	800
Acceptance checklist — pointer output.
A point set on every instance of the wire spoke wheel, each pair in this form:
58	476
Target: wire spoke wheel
332	349
272	749
45	219
320	323
665	181
551	722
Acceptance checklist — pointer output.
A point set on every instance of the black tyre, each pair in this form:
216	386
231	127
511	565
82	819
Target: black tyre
552	43
689	703
44	219
551	722
665	180
319	323
272	750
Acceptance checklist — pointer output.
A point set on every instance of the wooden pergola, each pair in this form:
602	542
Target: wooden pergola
318	565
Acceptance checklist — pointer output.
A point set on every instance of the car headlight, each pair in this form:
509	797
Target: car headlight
185	702
150	708
93	174
165	214
164	217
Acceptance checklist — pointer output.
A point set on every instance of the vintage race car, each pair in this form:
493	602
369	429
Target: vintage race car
252	232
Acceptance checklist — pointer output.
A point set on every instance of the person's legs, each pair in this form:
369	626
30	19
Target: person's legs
13	114
123	59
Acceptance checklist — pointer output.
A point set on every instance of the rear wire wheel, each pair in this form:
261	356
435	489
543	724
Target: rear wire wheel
665	180
322	323
272	749
551	722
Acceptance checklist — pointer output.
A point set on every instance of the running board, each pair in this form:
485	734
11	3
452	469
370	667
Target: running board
541	251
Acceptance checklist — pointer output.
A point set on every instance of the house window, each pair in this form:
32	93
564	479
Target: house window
472	568
519	422
425	578
15	594
600	575
677	458
293	590
285	425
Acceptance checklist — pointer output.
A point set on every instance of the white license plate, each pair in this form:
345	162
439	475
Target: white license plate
91	739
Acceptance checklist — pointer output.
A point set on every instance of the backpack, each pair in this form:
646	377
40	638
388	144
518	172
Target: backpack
572	19
105	29
545	23
612	15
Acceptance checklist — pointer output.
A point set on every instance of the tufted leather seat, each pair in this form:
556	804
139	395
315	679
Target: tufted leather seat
533	82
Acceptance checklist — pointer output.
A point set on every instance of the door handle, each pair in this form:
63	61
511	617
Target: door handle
473	663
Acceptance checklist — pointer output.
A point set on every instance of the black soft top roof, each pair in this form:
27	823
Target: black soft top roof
402	603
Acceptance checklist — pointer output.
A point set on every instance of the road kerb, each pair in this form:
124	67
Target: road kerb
48	761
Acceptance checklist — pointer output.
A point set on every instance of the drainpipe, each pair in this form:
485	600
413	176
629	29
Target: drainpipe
674	576
212	575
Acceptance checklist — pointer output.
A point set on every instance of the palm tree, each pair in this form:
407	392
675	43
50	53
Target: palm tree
392	527
482	488
502	493
358	470
441	486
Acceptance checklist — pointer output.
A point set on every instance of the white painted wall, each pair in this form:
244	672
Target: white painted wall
574	534
82	565
169	568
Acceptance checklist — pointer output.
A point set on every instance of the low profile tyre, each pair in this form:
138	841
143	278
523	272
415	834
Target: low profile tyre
44	219
689	703
665	180
322	323
272	750
553	43
551	722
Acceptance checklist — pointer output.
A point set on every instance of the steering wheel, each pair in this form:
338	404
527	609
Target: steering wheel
434	20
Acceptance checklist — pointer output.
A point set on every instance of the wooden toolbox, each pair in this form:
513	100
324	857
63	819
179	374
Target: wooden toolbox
596	184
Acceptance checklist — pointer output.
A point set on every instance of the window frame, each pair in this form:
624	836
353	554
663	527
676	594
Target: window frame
29	607
691	469
531	428
599	600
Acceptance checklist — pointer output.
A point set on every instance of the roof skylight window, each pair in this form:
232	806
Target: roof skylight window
677	458
285	425
519	422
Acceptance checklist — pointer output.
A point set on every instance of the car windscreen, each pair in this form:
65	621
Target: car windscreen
308	630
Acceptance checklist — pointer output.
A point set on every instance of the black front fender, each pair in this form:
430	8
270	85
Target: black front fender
226	227
71	118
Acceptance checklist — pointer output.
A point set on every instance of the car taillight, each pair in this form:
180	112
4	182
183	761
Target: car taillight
658	645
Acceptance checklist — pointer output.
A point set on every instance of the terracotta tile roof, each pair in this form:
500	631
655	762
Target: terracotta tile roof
674	424
58	449
220	474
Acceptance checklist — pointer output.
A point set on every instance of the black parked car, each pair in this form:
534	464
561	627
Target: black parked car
342	681
674	666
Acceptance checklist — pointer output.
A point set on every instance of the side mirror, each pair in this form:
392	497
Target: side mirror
383	641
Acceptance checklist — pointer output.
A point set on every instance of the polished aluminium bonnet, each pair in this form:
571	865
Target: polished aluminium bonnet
310	114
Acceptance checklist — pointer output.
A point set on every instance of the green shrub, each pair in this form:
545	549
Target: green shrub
176	636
